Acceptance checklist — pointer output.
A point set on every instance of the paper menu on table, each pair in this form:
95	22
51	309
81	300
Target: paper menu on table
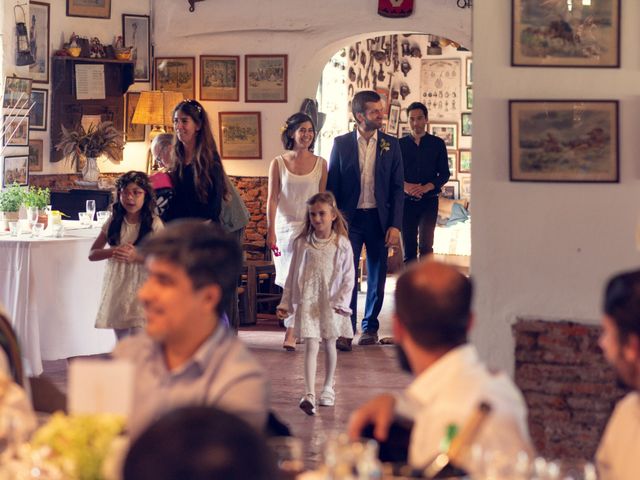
100	386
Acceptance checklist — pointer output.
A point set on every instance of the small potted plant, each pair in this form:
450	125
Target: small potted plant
39	198
10	200
97	140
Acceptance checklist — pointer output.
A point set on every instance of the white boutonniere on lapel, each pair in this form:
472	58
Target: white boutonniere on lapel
384	146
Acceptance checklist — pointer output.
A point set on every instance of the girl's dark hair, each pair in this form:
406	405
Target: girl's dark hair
291	125
207	165
118	211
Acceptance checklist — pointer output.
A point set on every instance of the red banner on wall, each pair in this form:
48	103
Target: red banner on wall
395	8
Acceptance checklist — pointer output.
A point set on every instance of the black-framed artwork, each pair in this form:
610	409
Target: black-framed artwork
39	25
39	112
563	141
265	78
89	8
136	33
15	169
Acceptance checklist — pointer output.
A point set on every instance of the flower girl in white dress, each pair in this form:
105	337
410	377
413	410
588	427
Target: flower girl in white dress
318	292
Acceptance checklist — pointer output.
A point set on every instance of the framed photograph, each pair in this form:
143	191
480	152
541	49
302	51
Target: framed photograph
38	113
15	169
384	97
447	132
219	78
451	190
36	155
469	71
385	125
265	78
17	93
89	8
469	98
39	41
552	34
133	132
465	185
465	124
176	74
563	141
394	117
464	161
452	158
404	130
16	131
136	33
240	135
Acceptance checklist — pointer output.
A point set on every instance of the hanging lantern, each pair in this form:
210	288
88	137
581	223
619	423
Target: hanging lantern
23	49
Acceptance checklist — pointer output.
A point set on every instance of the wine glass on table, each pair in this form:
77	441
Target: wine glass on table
32	217
91	209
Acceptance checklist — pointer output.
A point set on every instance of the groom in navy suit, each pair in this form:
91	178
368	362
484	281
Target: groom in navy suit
366	177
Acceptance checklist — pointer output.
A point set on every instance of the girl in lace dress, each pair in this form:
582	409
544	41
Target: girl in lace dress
131	219
318	292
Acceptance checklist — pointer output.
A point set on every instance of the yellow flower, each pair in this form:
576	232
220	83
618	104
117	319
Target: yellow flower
384	146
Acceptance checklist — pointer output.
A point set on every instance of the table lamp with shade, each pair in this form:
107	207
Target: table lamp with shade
155	108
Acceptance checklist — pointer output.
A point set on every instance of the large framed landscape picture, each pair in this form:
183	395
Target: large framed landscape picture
565	33
563	140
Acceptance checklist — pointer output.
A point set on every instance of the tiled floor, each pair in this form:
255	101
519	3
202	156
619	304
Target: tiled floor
362	373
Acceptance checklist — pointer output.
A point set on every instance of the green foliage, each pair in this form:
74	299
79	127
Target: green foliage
36	197
102	139
11	198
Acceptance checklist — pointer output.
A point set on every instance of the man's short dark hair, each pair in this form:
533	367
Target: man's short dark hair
433	303
418	106
622	303
205	251
360	100
199	443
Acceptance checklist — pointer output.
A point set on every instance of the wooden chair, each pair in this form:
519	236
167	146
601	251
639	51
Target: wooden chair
259	292
9	343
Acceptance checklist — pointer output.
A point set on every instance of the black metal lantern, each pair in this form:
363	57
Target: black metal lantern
23	48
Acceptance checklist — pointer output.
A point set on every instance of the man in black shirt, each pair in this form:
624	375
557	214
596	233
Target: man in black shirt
426	169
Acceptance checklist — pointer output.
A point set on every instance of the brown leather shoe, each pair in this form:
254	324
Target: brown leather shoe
368	338
343	344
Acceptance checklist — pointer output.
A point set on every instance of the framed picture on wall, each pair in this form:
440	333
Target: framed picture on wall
38	113
465	185
36	155
15	169
240	135
16	131
469	71
469	98
464	161
384	97
452	158
451	190
176	74
136	33
133	132
447	132
39	41
465	124
219	78
404	130
551	34
17	93
89	8
265	78
394	116
563	141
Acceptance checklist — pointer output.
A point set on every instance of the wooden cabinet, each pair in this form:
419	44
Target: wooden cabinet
67	110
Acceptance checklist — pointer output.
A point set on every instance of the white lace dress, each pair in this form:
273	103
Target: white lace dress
315	316
119	305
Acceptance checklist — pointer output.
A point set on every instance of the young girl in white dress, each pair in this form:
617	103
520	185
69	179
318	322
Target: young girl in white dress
133	216
318	292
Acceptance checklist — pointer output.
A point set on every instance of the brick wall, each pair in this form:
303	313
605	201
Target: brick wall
568	386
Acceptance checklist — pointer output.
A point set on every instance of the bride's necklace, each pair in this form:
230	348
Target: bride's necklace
320	242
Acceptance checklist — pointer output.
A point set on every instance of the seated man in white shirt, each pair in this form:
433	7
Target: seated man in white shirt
186	356
430	325
618	456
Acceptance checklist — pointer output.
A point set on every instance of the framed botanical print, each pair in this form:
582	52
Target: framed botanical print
15	170
240	135
16	131
176	74
465	124
219	78
265	78
36	155
563	141
464	161
134	132
17	93
39	41
447	132
565	34
89	8
38	113
136	33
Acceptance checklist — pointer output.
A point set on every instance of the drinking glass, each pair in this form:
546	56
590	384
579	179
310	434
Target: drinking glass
84	218
288	454
13	228
37	229
103	216
91	209
32	217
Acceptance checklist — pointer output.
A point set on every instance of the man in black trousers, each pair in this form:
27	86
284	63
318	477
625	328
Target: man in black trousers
426	170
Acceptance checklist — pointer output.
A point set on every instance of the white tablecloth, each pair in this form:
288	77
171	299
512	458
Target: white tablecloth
51	291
